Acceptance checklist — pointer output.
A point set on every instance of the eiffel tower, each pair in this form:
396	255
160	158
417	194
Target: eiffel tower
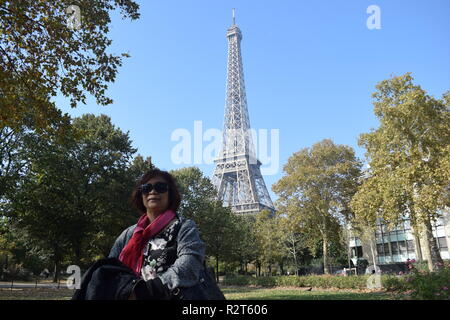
237	175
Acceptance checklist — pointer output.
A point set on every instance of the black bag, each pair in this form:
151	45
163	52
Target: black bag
205	289
106	279
110	279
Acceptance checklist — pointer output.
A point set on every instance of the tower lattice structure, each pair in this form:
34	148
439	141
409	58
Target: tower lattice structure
237	175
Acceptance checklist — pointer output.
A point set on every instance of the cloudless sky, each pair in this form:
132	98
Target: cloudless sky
310	68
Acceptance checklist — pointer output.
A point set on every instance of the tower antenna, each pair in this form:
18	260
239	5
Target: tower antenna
234	20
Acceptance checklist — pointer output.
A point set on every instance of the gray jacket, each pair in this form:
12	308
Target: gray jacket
185	271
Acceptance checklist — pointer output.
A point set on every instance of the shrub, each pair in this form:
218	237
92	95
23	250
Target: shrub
417	265
422	284
430	285
395	283
317	281
419	283
238	280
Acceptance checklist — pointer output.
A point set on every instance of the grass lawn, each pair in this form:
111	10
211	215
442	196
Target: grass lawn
231	293
292	293
36	294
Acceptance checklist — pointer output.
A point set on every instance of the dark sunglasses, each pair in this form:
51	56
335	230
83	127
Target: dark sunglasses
159	187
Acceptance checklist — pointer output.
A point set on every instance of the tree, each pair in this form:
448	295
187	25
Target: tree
198	195
367	203
220	234
101	159
316	190
409	158
293	238
269	239
11	166
217	224
245	249
74	199
7	244
18	249
42	55
140	166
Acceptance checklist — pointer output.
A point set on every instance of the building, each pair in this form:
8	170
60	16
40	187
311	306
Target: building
399	244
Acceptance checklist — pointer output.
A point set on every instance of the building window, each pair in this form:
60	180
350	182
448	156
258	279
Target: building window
402	246
401	235
410	245
387	252
442	243
357	252
394	246
360	252
380	249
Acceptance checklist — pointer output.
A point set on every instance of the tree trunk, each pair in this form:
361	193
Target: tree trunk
418	249
434	258
326	268
294	253
77	250
217	269
296	265
349	254
4	266
56	272
371	240
415	228
56	261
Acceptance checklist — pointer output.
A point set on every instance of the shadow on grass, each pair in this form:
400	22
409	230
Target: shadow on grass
249	293
36	294
320	296
231	293
236	289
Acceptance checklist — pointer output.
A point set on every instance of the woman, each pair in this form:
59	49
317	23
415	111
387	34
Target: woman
163	248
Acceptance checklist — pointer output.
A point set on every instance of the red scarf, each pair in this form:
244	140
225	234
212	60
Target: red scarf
132	254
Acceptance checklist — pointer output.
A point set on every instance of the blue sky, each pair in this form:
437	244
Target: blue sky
310	68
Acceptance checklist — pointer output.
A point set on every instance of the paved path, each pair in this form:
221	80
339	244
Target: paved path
31	285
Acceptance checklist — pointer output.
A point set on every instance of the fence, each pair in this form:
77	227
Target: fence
61	284
8	281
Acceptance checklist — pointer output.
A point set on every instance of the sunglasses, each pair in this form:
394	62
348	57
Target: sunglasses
159	187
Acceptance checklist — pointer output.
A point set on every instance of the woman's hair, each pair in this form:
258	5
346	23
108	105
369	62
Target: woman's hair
174	194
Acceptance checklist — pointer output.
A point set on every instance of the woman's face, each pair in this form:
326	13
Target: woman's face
156	202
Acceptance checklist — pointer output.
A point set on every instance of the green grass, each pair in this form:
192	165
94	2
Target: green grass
231	293
36	294
253	293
